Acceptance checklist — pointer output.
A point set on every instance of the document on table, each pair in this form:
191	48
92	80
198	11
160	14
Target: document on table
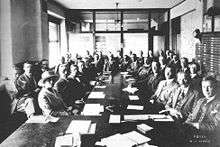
79	126
144	128
92	128
133	97
116	140
135	107
101	87
165	119
114	119
135	117
137	137
96	95
92	109
130	89
157	116
66	140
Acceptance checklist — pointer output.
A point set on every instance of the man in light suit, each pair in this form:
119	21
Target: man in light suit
181	103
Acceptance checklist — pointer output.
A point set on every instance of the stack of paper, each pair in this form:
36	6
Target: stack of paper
144	128
96	95
66	140
131	90
79	126
133	97
92	109
135	107
124	140
114	119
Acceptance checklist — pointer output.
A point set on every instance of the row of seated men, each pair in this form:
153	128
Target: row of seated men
166	83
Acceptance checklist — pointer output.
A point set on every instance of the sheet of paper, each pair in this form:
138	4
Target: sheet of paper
133	97
66	140
137	137
157	116
135	117
37	119
146	145
52	118
92	128
135	107
144	127
96	95
129	89
124	73
114	119
116	140
42	119
101	87
92	109
79	126
167	119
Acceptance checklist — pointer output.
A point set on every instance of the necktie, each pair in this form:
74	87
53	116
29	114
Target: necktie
202	110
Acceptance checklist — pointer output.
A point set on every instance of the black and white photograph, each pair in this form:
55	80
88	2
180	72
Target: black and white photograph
109	73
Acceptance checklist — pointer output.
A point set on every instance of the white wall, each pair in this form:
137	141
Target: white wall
191	12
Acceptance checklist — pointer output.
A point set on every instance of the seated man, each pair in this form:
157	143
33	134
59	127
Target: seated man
182	100
206	113
196	78
75	86
144	70
148	86
166	87
49	99
61	86
27	91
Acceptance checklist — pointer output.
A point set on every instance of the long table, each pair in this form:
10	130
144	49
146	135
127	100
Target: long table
44	134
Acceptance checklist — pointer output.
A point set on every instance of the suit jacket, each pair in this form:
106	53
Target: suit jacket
26	85
61	86
183	104
206	114
50	102
164	90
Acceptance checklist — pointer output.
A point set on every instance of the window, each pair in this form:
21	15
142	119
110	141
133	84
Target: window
54	43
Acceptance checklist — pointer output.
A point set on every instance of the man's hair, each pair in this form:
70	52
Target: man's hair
187	75
213	80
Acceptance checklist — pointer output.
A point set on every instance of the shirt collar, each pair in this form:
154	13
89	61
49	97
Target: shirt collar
211	98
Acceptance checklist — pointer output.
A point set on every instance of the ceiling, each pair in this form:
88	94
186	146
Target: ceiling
123	4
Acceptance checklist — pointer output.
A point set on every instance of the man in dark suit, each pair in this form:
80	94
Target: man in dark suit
206	113
61	86
26	98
